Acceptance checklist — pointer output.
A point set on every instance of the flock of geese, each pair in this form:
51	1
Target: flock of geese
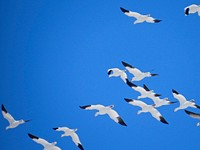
145	92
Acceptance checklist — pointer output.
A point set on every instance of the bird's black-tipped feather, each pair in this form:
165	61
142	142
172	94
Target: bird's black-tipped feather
153	74
163	120
197	106
80	146
130	83
174	91
157	21
120	121
126	64
32	136
55	128
124	10
128	100
187	11
3	108
109	72
84	107
145	87
157	95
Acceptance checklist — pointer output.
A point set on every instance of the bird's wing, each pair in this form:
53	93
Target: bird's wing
150	19
76	140
64	129
179	97
192	114
124	76
6	115
92	107
38	140
115	116
130	13
156	114
136	103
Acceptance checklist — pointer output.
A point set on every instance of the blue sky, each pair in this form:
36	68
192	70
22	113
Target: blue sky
54	57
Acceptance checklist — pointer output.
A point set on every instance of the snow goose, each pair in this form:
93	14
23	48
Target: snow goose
147	108
138	75
161	102
70	132
44	143
12	122
102	110
144	91
192	9
183	102
193	115
139	17
116	72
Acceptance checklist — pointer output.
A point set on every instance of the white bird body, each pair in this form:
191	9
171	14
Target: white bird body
138	74
102	110
72	133
116	72
44	143
192	9
12	122
139	17
144	91
147	108
183	102
160	102
193	115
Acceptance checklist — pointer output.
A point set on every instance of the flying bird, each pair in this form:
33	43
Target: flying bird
147	108
116	72
193	115
138	75
192	9
144	91
72	133
44	143
183	102
12	122
139	17
102	110
161	102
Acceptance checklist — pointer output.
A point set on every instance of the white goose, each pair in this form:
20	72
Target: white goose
147	108
138	75
192	9
116	72
12	122
193	115
44	143
144	91
161	102
140	18
102	110
72	133
183	102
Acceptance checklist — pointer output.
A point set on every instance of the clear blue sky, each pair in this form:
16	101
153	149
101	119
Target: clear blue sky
54	57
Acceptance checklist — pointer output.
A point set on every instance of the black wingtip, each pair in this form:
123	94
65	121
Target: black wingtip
109	72
174	91
173	102
27	120
84	107
130	83
188	112
197	106
120	121
187	11
126	64
157	95
55	128
80	146
163	120
145	87
157	21
153	74
128	100
124	10
3	108
32	136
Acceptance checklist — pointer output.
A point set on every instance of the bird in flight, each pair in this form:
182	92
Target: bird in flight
193	115
192	9
102	110
116	72
139	17
12	122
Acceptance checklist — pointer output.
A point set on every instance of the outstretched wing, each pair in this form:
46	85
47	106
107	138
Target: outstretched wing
92	107
130	13
156	114
38	140
6	115
115	116
76	140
